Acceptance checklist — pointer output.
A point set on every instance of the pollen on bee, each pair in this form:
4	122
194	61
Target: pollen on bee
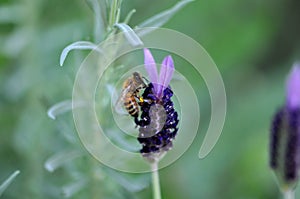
141	99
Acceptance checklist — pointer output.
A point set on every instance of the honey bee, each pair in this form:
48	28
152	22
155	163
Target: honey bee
130	94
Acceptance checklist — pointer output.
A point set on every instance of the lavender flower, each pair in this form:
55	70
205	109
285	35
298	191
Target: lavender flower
285	135
159	120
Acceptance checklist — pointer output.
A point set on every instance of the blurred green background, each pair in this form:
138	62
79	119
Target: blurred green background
254	44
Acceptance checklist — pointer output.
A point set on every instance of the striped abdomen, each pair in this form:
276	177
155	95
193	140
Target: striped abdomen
131	105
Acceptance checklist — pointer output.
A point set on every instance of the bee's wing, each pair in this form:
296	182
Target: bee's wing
119	104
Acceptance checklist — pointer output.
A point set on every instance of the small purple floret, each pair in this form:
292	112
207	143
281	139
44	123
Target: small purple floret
275	138
292	155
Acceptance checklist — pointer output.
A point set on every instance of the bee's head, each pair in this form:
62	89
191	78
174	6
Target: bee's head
137	76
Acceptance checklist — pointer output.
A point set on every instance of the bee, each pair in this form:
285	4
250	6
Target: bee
130	94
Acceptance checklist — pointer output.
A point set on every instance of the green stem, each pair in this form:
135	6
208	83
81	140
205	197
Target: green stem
129	15
155	181
113	12
289	194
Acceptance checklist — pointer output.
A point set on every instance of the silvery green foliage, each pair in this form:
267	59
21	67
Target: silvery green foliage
59	108
78	45
160	19
60	158
99	20
157	20
130	35
85	175
71	189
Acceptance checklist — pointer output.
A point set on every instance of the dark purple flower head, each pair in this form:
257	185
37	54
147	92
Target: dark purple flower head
285	135
165	75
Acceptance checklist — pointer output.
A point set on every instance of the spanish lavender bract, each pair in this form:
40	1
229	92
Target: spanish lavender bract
285	135
159	120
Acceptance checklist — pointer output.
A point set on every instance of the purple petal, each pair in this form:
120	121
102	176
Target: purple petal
151	68
166	73
293	87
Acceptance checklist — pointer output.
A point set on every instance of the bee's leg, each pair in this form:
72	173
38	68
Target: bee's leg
149	101
145	120
150	98
142	122
140	100
136	120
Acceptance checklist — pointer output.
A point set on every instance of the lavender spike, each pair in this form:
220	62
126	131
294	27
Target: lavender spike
159	120
285	135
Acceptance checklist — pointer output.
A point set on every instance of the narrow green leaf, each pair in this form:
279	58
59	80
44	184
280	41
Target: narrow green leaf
130	35
58	159
163	17
129	15
79	45
113	11
8	181
73	188
118	15
59	108
63	107
98	21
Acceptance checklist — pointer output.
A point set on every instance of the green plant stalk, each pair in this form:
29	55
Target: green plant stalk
155	181
289	194
129	15
113	13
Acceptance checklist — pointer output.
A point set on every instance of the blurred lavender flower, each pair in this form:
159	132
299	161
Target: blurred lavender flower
285	135
159	120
